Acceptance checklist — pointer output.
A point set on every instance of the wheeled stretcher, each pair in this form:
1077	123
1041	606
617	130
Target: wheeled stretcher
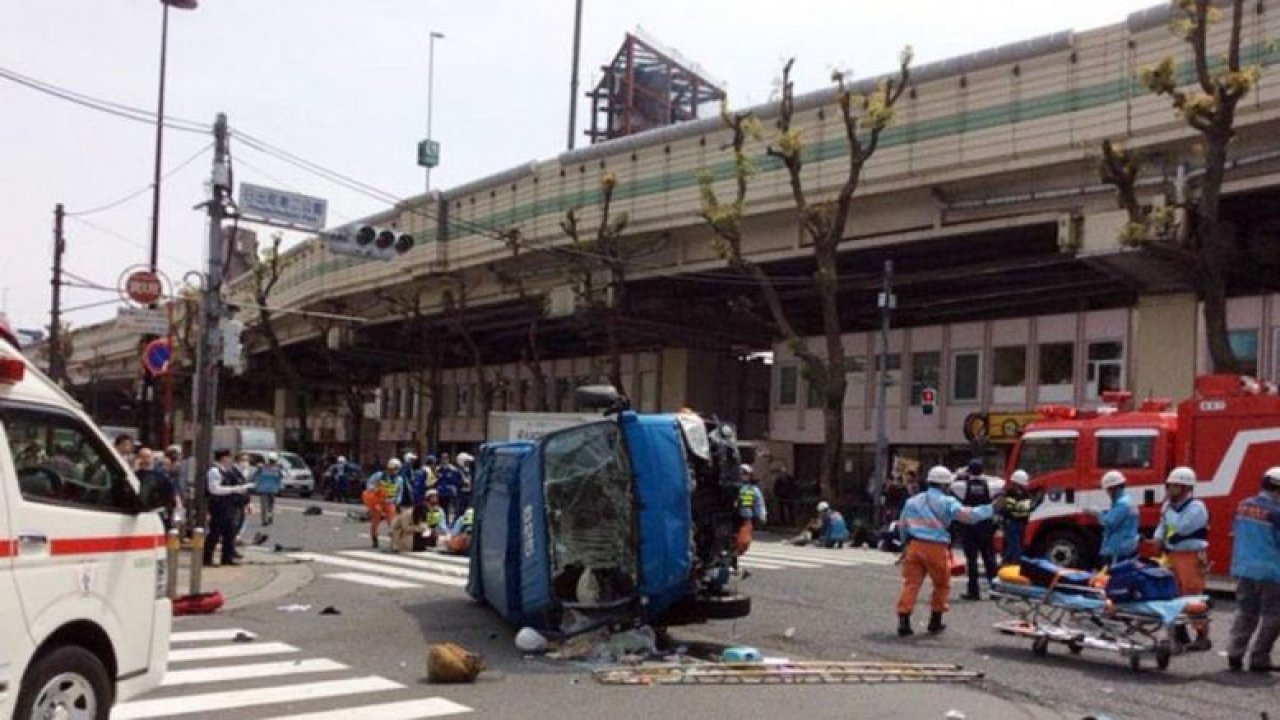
1082	617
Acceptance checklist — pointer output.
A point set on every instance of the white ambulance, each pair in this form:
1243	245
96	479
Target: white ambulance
84	620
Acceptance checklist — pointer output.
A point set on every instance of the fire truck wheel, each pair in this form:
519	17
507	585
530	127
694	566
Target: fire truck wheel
1066	548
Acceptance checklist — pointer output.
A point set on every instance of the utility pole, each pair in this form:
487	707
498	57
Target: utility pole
573	81
208	359
57	363
887	303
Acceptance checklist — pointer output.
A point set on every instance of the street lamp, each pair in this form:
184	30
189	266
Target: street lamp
431	74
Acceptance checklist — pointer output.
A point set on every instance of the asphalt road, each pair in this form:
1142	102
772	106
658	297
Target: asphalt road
368	661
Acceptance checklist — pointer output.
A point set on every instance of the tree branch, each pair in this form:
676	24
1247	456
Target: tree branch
1199	41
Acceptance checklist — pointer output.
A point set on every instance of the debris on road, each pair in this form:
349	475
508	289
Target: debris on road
741	654
530	640
953	715
452	663
330	610
783	673
242	637
313	510
295	608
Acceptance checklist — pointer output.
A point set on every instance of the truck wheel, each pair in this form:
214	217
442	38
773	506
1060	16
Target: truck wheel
728	607
1065	548
67	681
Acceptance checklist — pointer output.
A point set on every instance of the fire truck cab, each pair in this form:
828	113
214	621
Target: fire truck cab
1228	432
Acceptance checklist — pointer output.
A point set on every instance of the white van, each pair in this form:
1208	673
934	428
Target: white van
84	620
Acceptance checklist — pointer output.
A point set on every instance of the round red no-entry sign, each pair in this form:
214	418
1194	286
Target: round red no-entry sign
143	287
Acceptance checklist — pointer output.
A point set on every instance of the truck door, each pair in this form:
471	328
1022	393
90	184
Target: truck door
15	641
1139	454
81	549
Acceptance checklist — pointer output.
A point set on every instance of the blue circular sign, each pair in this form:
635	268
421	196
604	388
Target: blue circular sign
156	356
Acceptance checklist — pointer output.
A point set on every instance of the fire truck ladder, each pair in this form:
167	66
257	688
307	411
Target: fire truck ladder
790	673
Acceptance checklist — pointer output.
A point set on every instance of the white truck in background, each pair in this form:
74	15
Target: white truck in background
507	426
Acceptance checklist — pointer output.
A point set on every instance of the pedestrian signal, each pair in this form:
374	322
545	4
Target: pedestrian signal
928	400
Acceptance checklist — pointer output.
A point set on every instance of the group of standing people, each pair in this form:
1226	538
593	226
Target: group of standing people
967	499
426	503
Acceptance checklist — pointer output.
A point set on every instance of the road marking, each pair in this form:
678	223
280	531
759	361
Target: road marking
441	557
404	573
406	710
750	562
207	635
814	556
223	652
415	561
232	699
174	678
373	580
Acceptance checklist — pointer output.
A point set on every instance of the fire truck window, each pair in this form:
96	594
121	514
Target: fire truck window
1042	455
1244	346
1126	452
59	461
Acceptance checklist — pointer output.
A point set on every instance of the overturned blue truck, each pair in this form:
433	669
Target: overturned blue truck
626	520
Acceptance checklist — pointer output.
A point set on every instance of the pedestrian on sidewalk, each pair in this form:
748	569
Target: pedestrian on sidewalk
1183	535
267	483
1255	562
225	493
974	490
924	529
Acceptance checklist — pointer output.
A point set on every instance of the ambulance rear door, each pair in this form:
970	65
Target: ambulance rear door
15	640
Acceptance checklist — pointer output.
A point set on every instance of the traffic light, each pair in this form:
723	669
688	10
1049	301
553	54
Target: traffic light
928	400
368	241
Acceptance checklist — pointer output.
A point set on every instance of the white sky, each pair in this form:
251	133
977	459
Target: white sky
343	83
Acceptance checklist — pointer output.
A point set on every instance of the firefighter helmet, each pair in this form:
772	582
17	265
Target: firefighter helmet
1020	478
939	475
1184	476
1271	478
393	464
1113	479
824	506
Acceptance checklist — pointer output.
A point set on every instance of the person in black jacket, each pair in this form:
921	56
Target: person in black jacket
973	489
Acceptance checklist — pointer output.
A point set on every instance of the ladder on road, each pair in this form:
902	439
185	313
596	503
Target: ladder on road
788	673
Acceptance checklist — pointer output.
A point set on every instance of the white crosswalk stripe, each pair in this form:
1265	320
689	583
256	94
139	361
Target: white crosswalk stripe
780	556
231	678
420	569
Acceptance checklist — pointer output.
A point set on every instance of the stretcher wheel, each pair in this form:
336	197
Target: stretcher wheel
1040	646
1075	646
1164	651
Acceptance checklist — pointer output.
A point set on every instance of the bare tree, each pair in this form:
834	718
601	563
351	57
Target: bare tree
422	333
531	352
1193	233
824	220
267	269
593	251
489	381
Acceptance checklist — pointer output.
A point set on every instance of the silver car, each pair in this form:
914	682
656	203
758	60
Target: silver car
297	476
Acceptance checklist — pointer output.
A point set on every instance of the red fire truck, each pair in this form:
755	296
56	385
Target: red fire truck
1228	432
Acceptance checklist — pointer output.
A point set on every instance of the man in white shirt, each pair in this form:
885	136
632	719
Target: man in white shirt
225	494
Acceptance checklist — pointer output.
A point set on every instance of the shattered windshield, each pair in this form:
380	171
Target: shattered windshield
590	514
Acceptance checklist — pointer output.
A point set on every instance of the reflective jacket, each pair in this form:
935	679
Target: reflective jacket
1256	552
435	520
268	479
1120	528
1183	528
1016	504
464	522
834	528
751	503
928	515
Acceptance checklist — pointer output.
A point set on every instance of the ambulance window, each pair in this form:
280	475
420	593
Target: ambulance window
1130	452
1039	455
60	461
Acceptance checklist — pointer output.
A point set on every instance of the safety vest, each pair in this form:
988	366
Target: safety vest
434	516
747	498
977	492
388	485
468	518
1184	527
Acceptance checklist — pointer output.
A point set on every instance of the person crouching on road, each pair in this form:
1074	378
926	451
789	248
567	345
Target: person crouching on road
267	482
1015	507
1255	562
1119	523
379	496
437	526
407	529
750	507
833	531
924	529
1183	535
460	534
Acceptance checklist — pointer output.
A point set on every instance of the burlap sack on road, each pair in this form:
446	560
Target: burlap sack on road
452	663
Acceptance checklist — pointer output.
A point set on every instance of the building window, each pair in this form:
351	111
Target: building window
855	375
926	369
1057	373
966	369
788	377
1105	371
1244	346
1009	375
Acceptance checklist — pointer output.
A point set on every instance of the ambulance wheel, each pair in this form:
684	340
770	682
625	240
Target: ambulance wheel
67	681
1040	646
1164	651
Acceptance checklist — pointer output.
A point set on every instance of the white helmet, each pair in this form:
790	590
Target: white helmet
393	464
466	458
1020	478
824	506
1113	479
272	457
409	457
745	468
342	460
1184	476
939	475
1271	478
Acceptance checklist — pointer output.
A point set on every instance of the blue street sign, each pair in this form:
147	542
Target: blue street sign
156	356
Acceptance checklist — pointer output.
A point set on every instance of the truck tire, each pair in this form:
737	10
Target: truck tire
1067	548
68	678
727	607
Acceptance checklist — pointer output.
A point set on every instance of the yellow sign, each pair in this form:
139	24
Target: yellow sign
1007	427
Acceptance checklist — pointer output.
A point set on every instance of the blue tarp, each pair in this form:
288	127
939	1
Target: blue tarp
656	449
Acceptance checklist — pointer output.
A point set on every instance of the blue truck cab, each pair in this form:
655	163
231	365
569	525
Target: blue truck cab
628	519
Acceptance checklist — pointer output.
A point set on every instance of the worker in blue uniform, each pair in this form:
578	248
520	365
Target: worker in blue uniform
1255	562
1119	522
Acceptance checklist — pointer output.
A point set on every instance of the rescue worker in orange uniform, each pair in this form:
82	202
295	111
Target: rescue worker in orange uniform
750	507
923	527
379	497
1183	535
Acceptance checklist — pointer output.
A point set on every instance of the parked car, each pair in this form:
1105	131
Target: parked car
297	476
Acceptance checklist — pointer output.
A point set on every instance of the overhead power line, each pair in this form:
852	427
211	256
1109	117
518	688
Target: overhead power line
145	188
127	112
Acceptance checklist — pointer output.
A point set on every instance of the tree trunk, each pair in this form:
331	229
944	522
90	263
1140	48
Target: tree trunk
1213	249
833	386
615	352
532	357
435	385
